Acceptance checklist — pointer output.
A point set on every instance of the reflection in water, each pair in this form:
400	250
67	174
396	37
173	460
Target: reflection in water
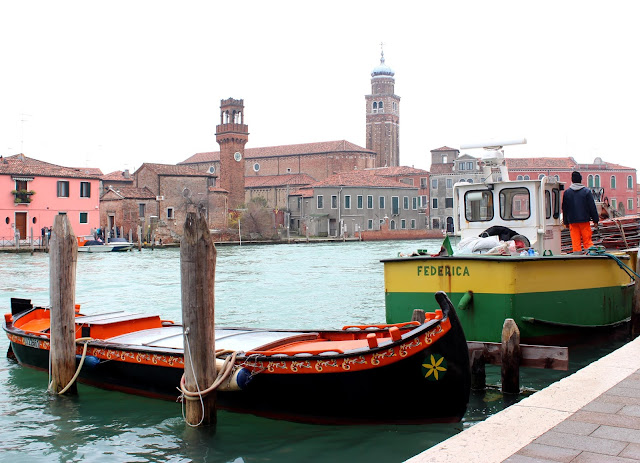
295	286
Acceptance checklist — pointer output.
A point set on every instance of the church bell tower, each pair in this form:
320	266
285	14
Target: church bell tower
232	134
383	116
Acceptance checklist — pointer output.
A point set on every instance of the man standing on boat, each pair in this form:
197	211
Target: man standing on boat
578	209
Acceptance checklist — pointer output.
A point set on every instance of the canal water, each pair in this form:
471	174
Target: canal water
285	286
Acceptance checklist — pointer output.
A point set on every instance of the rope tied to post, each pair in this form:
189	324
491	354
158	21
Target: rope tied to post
75	376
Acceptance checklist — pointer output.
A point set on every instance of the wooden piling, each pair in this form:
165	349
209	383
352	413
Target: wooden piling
197	269
418	316
478	372
635	306
139	238
511	355
63	256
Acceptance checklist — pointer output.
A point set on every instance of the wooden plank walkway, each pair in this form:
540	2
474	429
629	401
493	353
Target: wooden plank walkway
590	416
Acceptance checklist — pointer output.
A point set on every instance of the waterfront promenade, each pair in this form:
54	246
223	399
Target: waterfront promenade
590	416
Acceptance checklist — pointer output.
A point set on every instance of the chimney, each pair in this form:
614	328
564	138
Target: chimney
126	173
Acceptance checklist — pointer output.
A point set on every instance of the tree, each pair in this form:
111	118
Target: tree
258	219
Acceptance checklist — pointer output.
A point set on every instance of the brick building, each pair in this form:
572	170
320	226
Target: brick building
125	207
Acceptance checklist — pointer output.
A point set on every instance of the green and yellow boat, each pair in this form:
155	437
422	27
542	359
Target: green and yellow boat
553	297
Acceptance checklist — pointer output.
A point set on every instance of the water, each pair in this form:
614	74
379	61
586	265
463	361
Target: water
291	286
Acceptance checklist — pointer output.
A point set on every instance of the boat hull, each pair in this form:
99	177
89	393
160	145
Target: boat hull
552	299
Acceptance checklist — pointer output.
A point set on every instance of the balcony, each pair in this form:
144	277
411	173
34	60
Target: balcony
22	196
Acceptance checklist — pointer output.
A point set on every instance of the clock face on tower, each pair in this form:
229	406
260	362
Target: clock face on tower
237	156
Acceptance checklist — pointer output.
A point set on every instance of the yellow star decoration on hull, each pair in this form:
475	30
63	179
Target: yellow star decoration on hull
433	366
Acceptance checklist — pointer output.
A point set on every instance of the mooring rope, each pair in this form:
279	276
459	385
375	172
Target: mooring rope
600	251
225	371
75	376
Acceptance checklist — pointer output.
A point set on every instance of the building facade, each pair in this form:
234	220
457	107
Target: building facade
34	192
232	134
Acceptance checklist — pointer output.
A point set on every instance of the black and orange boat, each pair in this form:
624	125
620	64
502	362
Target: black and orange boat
402	373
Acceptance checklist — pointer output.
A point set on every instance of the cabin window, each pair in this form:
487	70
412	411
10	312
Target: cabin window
63	189
360	202
613	182
478	205
369	201
320	202
629	182
514	204
556	203
547	204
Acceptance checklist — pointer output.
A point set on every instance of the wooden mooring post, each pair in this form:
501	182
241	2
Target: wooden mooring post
197	270
63	257
510	352
635	305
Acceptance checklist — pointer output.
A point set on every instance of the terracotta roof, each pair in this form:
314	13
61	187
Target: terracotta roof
603	166
441	169
95	171
117	176
20	164
359	178
397	171
174	170
278	180
446	148
130	192
307	192
284	150
540	163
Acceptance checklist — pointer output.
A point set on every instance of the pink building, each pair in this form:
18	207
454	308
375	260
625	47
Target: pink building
33	192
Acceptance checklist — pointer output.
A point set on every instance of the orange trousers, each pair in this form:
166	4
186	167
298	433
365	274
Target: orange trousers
580	234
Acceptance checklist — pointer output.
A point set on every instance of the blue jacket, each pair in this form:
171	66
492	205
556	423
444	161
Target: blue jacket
578	206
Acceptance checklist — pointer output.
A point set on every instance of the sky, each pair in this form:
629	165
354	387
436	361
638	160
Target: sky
115	84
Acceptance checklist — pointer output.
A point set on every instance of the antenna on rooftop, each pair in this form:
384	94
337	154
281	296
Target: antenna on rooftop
22	120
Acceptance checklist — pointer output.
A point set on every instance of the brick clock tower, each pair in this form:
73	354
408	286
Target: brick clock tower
232	134
383	116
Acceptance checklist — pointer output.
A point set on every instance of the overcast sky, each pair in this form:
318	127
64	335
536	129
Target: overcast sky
115	84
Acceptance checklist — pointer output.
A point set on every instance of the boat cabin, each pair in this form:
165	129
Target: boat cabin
529	207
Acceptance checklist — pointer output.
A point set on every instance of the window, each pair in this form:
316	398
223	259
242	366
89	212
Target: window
514	204
288	170
407	181
395	106
414	203
84	217
320	202
526	177
435	223
434	203
381	106
448	202
613	182
434	183
614	204
381	202
590	181
556	203
395	205
597	181
360	202
63	189
256	167
547	204
470	165
423	182
470	180
347	201
370	224
444	158
629	182
405	203
519	177
629	204
449	183
375	107
403	224
141	208
478	205
170	213
461	166
540	177
393	225
334	201
369	202
424	201
85	190
413	224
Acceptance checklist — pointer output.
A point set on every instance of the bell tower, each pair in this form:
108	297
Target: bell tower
232	134
383	116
